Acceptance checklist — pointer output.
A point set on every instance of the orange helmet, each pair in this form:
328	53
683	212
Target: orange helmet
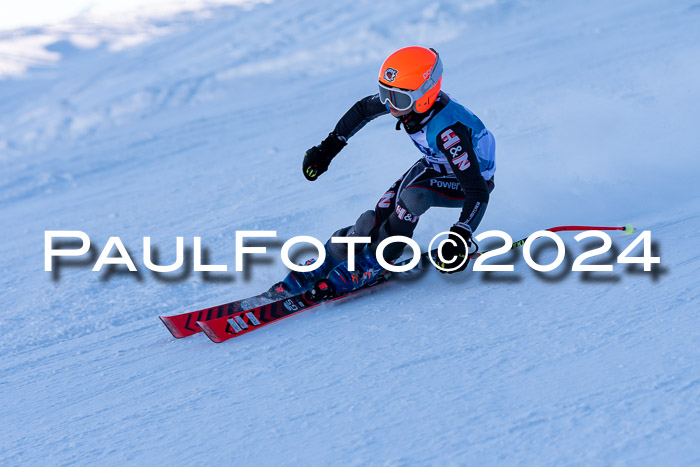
411	78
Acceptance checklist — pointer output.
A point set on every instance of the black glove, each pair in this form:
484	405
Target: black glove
455	253
318	158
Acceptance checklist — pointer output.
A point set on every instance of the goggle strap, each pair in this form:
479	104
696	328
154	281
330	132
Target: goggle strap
435	72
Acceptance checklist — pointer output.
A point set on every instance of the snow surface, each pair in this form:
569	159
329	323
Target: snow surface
200	132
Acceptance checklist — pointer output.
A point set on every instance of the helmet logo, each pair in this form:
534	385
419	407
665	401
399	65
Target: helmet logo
426	75
390	74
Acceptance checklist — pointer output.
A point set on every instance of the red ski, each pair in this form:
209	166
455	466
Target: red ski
185	324
234	325
226	327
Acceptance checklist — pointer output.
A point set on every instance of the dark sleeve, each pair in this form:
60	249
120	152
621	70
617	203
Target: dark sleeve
359	115
455	143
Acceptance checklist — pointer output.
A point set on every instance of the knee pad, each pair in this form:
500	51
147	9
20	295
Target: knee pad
403	219
364	225
414	201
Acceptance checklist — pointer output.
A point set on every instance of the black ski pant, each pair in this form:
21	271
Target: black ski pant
398	211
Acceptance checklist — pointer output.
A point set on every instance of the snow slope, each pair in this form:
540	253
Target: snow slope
200	132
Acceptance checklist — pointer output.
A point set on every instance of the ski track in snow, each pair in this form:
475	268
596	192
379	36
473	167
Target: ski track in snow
200	132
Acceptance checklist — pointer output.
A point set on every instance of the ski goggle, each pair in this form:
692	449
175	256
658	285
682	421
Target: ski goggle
403	99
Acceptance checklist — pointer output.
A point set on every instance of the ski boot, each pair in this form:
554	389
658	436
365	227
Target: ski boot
299	282
367	270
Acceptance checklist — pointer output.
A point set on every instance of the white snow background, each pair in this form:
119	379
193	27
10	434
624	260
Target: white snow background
194	123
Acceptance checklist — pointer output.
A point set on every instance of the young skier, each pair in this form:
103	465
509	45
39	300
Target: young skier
456	170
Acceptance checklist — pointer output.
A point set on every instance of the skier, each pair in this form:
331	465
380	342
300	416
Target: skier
456	170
